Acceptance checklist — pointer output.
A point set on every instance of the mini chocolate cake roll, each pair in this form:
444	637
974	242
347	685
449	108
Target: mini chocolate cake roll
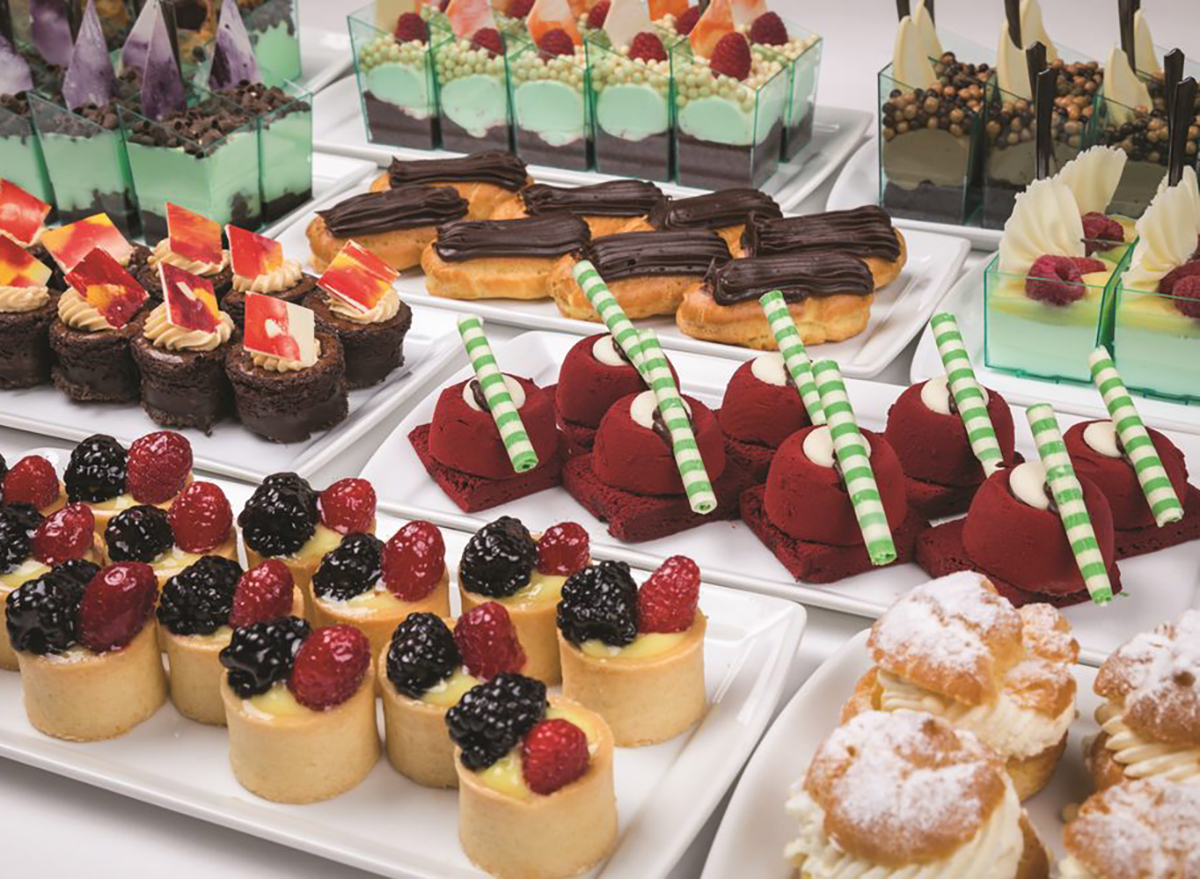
93	360
372	342
725	211
26	314
220	275
288	283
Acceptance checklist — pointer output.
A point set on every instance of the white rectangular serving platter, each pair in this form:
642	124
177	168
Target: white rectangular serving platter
858	184
755	828
393	827
1157	586
966	301
431	343
899	312
339	128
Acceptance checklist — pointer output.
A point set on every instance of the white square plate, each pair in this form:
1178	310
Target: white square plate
324	56
1156	585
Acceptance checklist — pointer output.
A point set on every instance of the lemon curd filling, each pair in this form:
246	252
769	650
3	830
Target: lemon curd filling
221	636
541	589
323	541
506	776
28	570
377	598
447	692
276	702
643	646
175	560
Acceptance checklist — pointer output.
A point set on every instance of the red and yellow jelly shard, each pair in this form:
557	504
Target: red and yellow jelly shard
548	15
716	22
110	289
191	304
358	277
19	269
193	236
252	256
276	328
662	8
468	17
21	214
70	244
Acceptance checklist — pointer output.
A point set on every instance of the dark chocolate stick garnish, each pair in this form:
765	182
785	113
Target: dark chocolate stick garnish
1035	59
902	9
1125	9
1044	89
1172	74
1012	9
1182	113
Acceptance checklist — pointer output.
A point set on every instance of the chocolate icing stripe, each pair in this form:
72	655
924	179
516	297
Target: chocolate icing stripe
797	275
634	254
613	198
864	232
547	237
404	208
500	168
727	207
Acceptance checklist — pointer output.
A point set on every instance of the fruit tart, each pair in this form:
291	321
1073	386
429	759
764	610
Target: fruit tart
33	481
761	408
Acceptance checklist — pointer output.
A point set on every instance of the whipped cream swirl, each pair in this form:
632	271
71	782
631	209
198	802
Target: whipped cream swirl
164	253
16	300
272	363
79	314
385	309
166	335
1142	759
283	278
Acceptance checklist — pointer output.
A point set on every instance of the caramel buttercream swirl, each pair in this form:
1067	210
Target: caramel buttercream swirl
279	364
1141	758
163	253
164	334
79	314
798	275
16	300
385	309
283	278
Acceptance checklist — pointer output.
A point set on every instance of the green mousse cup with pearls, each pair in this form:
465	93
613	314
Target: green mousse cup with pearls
552	116
474	108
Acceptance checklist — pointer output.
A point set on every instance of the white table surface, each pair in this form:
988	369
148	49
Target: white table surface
50	826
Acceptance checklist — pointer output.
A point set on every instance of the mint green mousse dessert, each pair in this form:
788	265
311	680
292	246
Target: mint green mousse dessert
21	160
473	99
274	28
395	81
551	113
632	98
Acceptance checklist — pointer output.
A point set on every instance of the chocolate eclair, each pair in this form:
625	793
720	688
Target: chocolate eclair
488	180
609	207
725	211
394	224
828	293
648	272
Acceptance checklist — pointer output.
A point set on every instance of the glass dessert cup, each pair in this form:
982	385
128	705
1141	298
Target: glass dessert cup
21	155
803	53
274	29
285	151
474	111
1156	344
551	106
1142	134
395	84
728	133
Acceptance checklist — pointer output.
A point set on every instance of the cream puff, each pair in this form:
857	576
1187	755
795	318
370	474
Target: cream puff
726	211
489	180
608	207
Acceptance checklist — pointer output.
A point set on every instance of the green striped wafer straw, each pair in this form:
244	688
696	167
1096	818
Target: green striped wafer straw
1160	494
1068	496
968	396
495	391
852	456
623	331
795	357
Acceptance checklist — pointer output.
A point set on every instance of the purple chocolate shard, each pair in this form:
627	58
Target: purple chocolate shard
14	70
89	78
133	53
51	29
162	86
233	59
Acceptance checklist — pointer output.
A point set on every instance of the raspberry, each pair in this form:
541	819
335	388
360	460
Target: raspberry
599	602
499	559
139	534
198	599
1099	229
31	480
518	8
348	506
687	20
330	666
116	605
96	471
64	535
562	549
595	18
1055	280
1167	285
491	718
350	569
421	655
409	27
769	30
554	754
280	516
414	561
201	517
1087	265
647	47
41	613
557	42
731	57
18	524
488	642
489	38
667	601
3	473
1187	293
158	466
263	593
262	654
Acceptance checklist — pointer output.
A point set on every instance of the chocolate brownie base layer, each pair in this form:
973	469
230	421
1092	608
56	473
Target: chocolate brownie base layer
390	125
938	204
649	158
751	457
797	137
940	551
459	140
1139	541
532	149
277	208
183	388
234	303
475	493
372	351
822	562
147	276
95	367
25	355
637	517
935	501
708	165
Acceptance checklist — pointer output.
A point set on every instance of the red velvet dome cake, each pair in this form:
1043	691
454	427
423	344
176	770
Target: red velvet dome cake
761	409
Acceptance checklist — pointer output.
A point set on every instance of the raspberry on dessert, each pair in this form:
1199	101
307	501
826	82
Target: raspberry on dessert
499	559
1099	230
198	600
1167	285
350	568
263	593
201	517
330	667
348	506
599	602
687	20
490	719
409	27
31	480
520	8
116	605
41	613
647	46
422	654
487	641
1055	280
667	601
262	654
554	754
158	466
18	524
3	473
557	42
563	549
597	15
280	516
64	535
1087	265
769	30
96	471
414	560
1187	296
139	534
731	57
489	38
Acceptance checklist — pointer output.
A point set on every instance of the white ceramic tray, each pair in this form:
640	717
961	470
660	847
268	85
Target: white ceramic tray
898	314
755	828
1158	585
859	184
836	132
966	301
432	343
393	827
324	56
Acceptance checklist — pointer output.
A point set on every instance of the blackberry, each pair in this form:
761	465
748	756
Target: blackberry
198	599
139	534
351	569
499	559
490	719
599	602
42	613
17	524
262	654
280	516
423	653
79	569
97	470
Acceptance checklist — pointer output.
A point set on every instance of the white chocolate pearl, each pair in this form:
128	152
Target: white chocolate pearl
1028	483
643	407
818	447
770	369
935	394
605	350
514	390
1101	436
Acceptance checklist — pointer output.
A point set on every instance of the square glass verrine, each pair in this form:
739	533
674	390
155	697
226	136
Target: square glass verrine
474	107
551	103
395	83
